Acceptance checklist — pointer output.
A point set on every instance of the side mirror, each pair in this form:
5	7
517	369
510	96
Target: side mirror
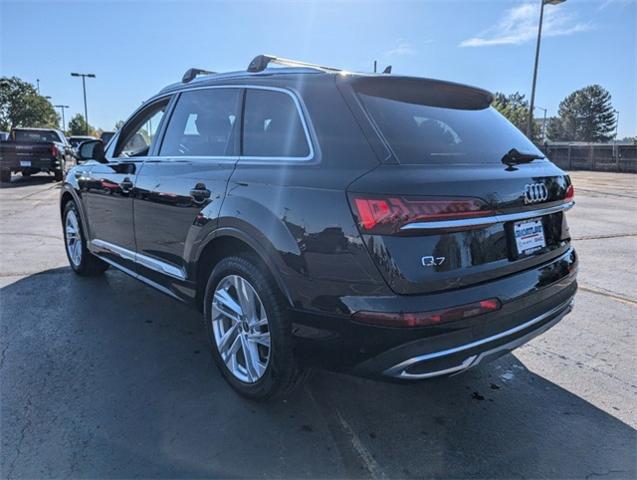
91	150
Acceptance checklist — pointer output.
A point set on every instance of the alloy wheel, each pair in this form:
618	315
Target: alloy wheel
73	238
240	328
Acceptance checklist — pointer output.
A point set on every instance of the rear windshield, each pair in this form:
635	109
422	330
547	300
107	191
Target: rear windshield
35	136
419	133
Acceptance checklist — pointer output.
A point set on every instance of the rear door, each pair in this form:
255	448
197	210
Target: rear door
109	188
181	188
446	210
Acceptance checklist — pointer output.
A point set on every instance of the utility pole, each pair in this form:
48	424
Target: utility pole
375	65
37	80
529	125
62	108
84	75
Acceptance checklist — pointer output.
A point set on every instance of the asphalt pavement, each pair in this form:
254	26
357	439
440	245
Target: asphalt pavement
105	377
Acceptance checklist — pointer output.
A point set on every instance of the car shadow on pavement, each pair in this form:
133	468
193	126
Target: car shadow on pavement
104	377
18	181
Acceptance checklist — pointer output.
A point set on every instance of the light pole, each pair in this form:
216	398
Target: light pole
543	123
62	108
616	112
529	125
37	80
84	75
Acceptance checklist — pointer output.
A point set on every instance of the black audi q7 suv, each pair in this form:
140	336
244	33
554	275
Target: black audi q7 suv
386	226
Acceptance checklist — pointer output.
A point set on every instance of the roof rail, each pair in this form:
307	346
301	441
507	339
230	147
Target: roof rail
261	62
192	73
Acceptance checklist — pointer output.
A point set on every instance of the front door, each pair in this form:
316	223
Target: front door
112	186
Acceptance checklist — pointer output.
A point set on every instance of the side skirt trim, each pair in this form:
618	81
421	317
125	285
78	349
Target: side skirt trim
97	246
137	276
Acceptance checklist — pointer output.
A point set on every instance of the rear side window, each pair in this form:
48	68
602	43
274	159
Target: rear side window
273	126
203	123
419	133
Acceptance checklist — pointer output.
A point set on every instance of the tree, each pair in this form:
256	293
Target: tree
77	126
22	106
119	124
586	115
514	107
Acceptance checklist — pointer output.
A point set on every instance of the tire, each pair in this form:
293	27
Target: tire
281	372
82	261
5	176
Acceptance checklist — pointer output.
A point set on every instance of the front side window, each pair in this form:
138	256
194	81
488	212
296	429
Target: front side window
273	126
138	137
203	123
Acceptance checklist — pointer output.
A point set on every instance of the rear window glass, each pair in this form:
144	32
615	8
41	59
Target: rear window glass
419	133
272	126
36	136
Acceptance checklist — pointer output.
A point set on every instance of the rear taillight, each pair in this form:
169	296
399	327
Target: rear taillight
385	215
423	319
570	194
54	151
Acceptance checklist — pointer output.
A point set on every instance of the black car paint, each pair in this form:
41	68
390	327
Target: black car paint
296	216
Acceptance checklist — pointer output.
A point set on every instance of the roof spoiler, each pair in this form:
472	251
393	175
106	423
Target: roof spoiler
261	62
192	73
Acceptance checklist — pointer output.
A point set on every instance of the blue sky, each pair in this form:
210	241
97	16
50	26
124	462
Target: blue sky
136	48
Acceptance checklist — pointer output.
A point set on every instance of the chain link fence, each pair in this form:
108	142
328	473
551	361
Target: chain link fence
593	156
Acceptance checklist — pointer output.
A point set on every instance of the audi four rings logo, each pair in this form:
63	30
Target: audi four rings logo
535	192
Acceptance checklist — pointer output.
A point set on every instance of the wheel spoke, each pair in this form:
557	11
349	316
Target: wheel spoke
251	355
232	352
224	342
262	338
245	293
227	305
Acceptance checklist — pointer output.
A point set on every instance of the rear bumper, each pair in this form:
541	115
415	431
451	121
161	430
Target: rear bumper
462	357
34	164
532	302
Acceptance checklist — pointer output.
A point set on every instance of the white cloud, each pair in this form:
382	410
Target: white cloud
519	25
402	49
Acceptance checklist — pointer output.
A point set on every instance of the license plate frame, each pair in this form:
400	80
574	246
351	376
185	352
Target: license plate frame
528	236
25	163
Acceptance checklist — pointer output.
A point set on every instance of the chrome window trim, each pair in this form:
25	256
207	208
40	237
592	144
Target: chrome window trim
300	107
400	370
488	220
144	260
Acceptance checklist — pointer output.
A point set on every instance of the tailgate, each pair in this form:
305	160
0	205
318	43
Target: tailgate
522	223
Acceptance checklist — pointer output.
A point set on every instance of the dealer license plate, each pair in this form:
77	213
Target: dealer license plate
529	236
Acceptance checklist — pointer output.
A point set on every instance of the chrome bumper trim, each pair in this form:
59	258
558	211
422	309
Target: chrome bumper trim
483	221
400	370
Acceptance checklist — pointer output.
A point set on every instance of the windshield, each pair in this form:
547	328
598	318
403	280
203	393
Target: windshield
419	133
36	136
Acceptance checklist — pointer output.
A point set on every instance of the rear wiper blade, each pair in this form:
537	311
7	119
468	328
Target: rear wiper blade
514	156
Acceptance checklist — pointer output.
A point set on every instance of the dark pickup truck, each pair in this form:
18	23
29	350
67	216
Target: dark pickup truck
32	150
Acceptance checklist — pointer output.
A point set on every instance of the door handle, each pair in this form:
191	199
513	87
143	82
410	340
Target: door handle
200	193
126	185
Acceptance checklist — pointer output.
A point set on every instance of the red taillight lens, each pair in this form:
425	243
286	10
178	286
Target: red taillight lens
428	318
570	194
54	151
385	215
